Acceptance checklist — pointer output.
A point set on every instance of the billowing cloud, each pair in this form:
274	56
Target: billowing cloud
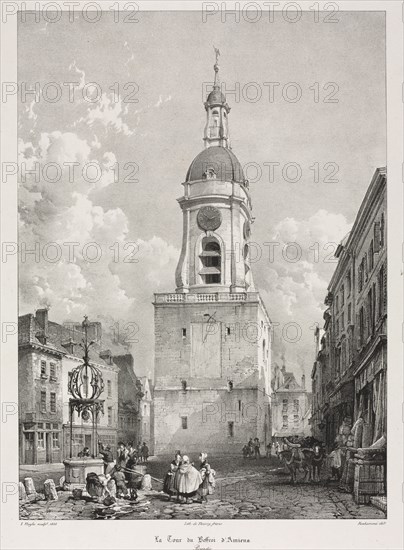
108	112
83	260
294	278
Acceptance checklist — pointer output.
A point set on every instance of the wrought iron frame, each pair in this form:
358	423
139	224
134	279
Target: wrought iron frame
80	379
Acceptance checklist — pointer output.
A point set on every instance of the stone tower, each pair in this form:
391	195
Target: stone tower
213	335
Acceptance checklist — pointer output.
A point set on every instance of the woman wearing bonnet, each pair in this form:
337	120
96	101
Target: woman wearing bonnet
170	477
187	480
207	486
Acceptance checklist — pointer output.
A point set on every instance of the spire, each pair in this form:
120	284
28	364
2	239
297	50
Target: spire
216	129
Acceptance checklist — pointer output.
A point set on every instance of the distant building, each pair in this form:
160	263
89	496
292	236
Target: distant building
130	394
48	352
349	374
147	414
291	404
318	379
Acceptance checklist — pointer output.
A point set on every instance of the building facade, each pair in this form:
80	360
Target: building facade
130	394
349	374
212	335
48	353
290	405
147	414
370	374
39	392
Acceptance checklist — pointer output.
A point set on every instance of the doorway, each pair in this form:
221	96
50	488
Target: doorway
48	447
29	448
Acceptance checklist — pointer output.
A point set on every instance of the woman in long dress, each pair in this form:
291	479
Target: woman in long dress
187	481
168	486
207	486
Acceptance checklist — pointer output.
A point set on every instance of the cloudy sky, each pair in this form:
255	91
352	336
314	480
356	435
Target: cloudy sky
143	136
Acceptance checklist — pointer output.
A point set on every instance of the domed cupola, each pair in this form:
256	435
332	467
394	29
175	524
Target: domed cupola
216	163
216	97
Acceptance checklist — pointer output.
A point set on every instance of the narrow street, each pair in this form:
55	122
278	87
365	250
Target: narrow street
245	488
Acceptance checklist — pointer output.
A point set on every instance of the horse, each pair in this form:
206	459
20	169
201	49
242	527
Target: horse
294	460
309	460
317	462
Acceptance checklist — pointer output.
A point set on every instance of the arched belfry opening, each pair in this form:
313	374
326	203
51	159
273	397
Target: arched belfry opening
211	261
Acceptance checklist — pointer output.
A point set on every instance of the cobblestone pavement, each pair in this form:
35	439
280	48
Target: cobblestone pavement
245	489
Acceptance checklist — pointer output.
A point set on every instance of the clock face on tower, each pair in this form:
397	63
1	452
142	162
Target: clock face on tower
209	218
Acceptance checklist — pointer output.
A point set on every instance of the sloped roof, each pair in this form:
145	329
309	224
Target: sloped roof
58	334
290	384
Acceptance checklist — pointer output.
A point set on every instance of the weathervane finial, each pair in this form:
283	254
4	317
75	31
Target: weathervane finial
216	65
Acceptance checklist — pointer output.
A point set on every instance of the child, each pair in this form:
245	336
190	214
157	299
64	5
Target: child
207	486
119	477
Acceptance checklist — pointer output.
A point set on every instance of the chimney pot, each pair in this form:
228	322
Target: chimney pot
41	317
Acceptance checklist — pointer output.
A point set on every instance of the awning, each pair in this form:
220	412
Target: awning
288	434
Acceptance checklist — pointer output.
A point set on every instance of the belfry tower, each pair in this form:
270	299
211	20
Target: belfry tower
213	334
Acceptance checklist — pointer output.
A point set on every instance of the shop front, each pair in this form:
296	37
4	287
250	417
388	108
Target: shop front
41	443
341	408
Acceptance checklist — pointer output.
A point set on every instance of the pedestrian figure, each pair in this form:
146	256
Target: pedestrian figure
335	463
119	477
95	486
85	453
257	444
132	477
131	450
250	448
145	452
168	486
246	451
122	455
187	481
108	458
139	453
207	486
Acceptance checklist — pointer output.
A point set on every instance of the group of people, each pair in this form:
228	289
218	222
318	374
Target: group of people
120	479
131	452
185	482
126	455
252	448
121	469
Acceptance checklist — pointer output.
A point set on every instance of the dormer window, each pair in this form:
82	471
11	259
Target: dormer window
211	259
